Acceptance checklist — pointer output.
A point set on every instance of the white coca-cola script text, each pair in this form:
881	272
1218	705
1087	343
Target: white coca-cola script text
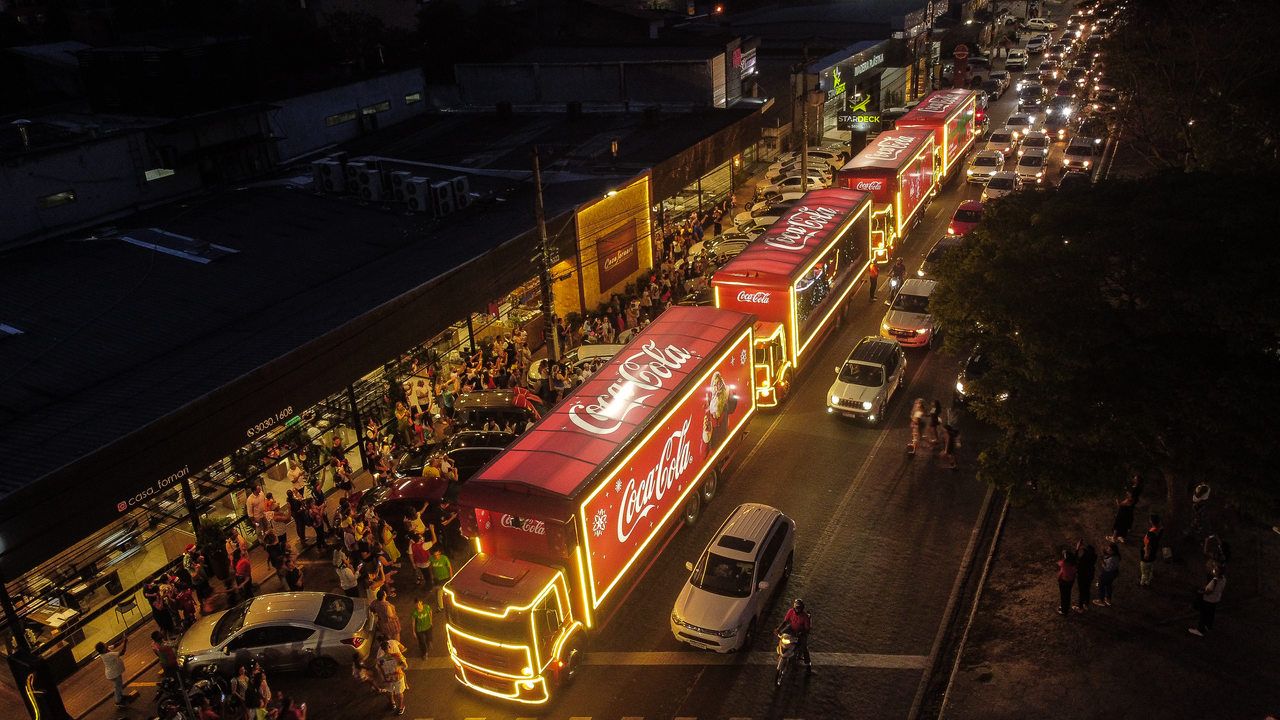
640	498
801	225
645	370
536	527
758	297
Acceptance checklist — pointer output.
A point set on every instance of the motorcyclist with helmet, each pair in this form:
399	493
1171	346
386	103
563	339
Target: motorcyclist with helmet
798	622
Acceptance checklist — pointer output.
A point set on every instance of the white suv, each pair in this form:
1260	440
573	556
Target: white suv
908	320
728	592
875	369
1016	60
1032	165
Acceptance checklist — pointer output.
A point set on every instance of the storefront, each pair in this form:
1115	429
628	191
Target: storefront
849	80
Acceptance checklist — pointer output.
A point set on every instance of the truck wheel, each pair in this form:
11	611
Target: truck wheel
572	663
708	489
692	509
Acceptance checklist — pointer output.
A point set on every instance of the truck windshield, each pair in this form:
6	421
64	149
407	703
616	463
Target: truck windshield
723	576
513	629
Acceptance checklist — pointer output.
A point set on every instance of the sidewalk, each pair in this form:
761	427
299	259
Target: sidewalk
1134	659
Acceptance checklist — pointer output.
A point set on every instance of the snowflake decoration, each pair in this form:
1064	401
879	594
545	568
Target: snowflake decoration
599	522
617	485
742	357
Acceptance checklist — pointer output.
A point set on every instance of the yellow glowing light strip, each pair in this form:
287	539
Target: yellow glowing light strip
736	346
582	576
904	221
453	598
843	296
514	695
562	597
452	630
476	537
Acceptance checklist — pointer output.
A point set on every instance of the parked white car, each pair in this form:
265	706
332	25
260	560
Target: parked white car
1039	24
729	590
792	184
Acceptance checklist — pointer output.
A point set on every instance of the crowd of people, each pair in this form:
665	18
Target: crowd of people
1078	566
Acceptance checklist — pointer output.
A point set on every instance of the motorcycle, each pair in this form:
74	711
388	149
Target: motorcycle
895	283
786	651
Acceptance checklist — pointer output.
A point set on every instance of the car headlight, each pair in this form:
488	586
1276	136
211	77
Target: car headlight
960	386
727	633
1039	174
969	171
1086	164
884	327
835	400
675	618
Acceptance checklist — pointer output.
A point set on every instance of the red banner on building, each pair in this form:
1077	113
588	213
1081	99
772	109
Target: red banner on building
617	257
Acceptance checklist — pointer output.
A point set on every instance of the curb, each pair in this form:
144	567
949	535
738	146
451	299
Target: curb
948	615
973	610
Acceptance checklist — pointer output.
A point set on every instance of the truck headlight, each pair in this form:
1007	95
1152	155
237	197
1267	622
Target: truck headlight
866	405
528	671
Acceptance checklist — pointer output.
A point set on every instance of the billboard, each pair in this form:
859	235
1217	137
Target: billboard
630	506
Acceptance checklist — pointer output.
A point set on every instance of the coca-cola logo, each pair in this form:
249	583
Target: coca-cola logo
869	185
801	225
938	103
534	527
645	370
890	147
640	498
758	297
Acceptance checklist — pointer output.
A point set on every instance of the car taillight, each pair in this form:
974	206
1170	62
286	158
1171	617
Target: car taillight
354	641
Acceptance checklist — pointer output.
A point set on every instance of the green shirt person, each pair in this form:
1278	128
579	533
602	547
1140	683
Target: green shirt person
422	625
441	571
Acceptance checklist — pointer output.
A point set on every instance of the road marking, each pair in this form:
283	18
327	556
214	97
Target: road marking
142	683
579	717
830	659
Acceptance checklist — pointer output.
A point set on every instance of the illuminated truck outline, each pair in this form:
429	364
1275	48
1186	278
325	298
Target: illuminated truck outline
828	229
952	115
519	612
898	169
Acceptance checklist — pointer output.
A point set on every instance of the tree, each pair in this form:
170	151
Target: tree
1200	80
1134	326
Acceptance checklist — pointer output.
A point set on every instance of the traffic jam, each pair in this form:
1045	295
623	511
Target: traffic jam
566	519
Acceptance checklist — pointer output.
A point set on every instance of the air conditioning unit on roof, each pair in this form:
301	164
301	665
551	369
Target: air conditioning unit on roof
442	199
418	194
461	191
371	185
399	184
354	170
328	176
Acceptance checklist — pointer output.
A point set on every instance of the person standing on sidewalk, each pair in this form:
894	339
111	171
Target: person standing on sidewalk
1150	551
388	620
347	579
1210	596
1066	578
1086	564
1124	517
1110	571
420	555
391	664
422	619
873	278
112	657
165	654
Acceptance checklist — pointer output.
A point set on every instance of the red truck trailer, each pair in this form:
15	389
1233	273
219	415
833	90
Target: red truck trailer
564	518
898	169
952	115
795	279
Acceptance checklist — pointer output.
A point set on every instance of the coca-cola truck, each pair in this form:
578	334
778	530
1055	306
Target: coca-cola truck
795	279
565	518
898	170
952	115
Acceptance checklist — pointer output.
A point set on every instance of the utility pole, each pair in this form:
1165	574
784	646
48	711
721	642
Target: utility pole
550	330
804	121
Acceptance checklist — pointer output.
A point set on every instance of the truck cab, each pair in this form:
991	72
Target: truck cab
511	629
